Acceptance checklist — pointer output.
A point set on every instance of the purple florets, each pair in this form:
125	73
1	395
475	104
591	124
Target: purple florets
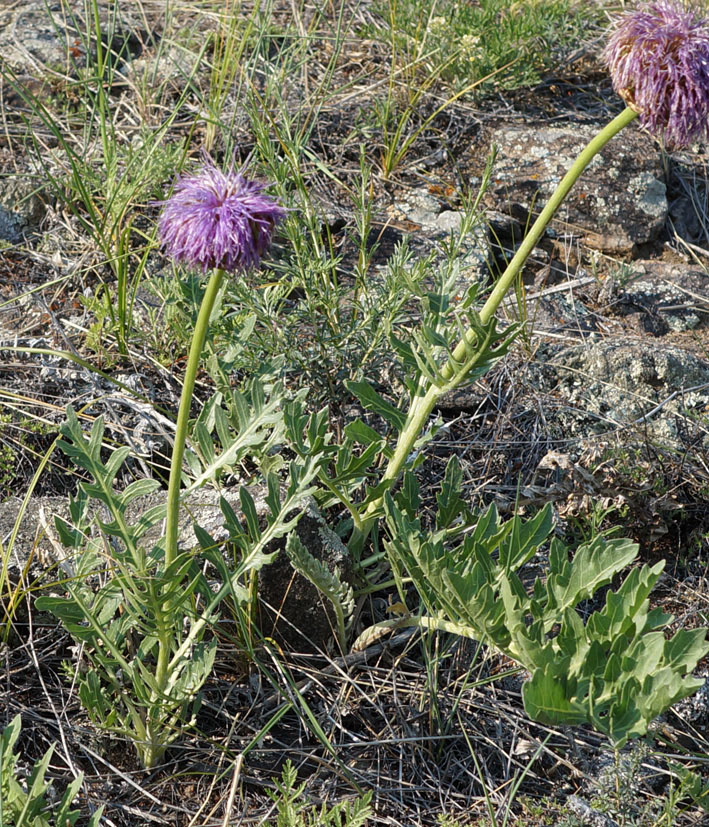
658	58
218	219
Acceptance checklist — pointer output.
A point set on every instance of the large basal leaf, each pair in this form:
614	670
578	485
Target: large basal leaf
594	565
615	670
545	700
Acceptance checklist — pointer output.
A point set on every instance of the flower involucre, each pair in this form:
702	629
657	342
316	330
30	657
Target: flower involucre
218	219
658	57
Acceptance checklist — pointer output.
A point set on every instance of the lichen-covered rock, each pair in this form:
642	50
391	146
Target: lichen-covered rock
619	202
658	298
622	381
22	207
31	41
170	66
40	39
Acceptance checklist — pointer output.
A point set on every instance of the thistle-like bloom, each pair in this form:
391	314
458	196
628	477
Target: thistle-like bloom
218	219
658	58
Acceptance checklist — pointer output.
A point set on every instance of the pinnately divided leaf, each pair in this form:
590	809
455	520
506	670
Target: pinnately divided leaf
615	670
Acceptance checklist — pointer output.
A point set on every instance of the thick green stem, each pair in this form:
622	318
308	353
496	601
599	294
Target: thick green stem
164	628
594	146
183	415
451	373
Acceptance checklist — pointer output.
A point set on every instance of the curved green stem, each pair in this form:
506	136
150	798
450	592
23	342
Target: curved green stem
594	146
435	624
183	415
451	373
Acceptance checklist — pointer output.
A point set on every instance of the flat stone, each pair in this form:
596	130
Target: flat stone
619	201
37	538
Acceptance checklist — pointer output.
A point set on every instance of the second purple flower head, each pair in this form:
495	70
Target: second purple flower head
658	57
218	219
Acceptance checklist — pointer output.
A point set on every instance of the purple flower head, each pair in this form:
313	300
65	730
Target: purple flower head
218	219
658	58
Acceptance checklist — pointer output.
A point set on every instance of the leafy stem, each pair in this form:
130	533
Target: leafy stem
475	341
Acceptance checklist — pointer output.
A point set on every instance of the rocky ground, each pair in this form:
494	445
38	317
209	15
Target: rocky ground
601	409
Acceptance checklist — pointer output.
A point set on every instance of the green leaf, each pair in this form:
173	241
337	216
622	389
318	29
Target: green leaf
359	431
273	495
372	401
450	503
684	651
628	607
624	720
257	426
524	538
617	671
545	700
594	565
407	497
27	806
201	436
248	508
191	674
693	785
353	469
138	488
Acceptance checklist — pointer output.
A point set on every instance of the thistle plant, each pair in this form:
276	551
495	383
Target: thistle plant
144	629
616	671
213	221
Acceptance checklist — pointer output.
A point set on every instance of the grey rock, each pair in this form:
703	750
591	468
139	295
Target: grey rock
623	381
660	298
560	310
171	66
9	227
432	214
419	207
587	814
430	222
22	207
31	39
695	708
39	38
619	202
448	220
37	538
